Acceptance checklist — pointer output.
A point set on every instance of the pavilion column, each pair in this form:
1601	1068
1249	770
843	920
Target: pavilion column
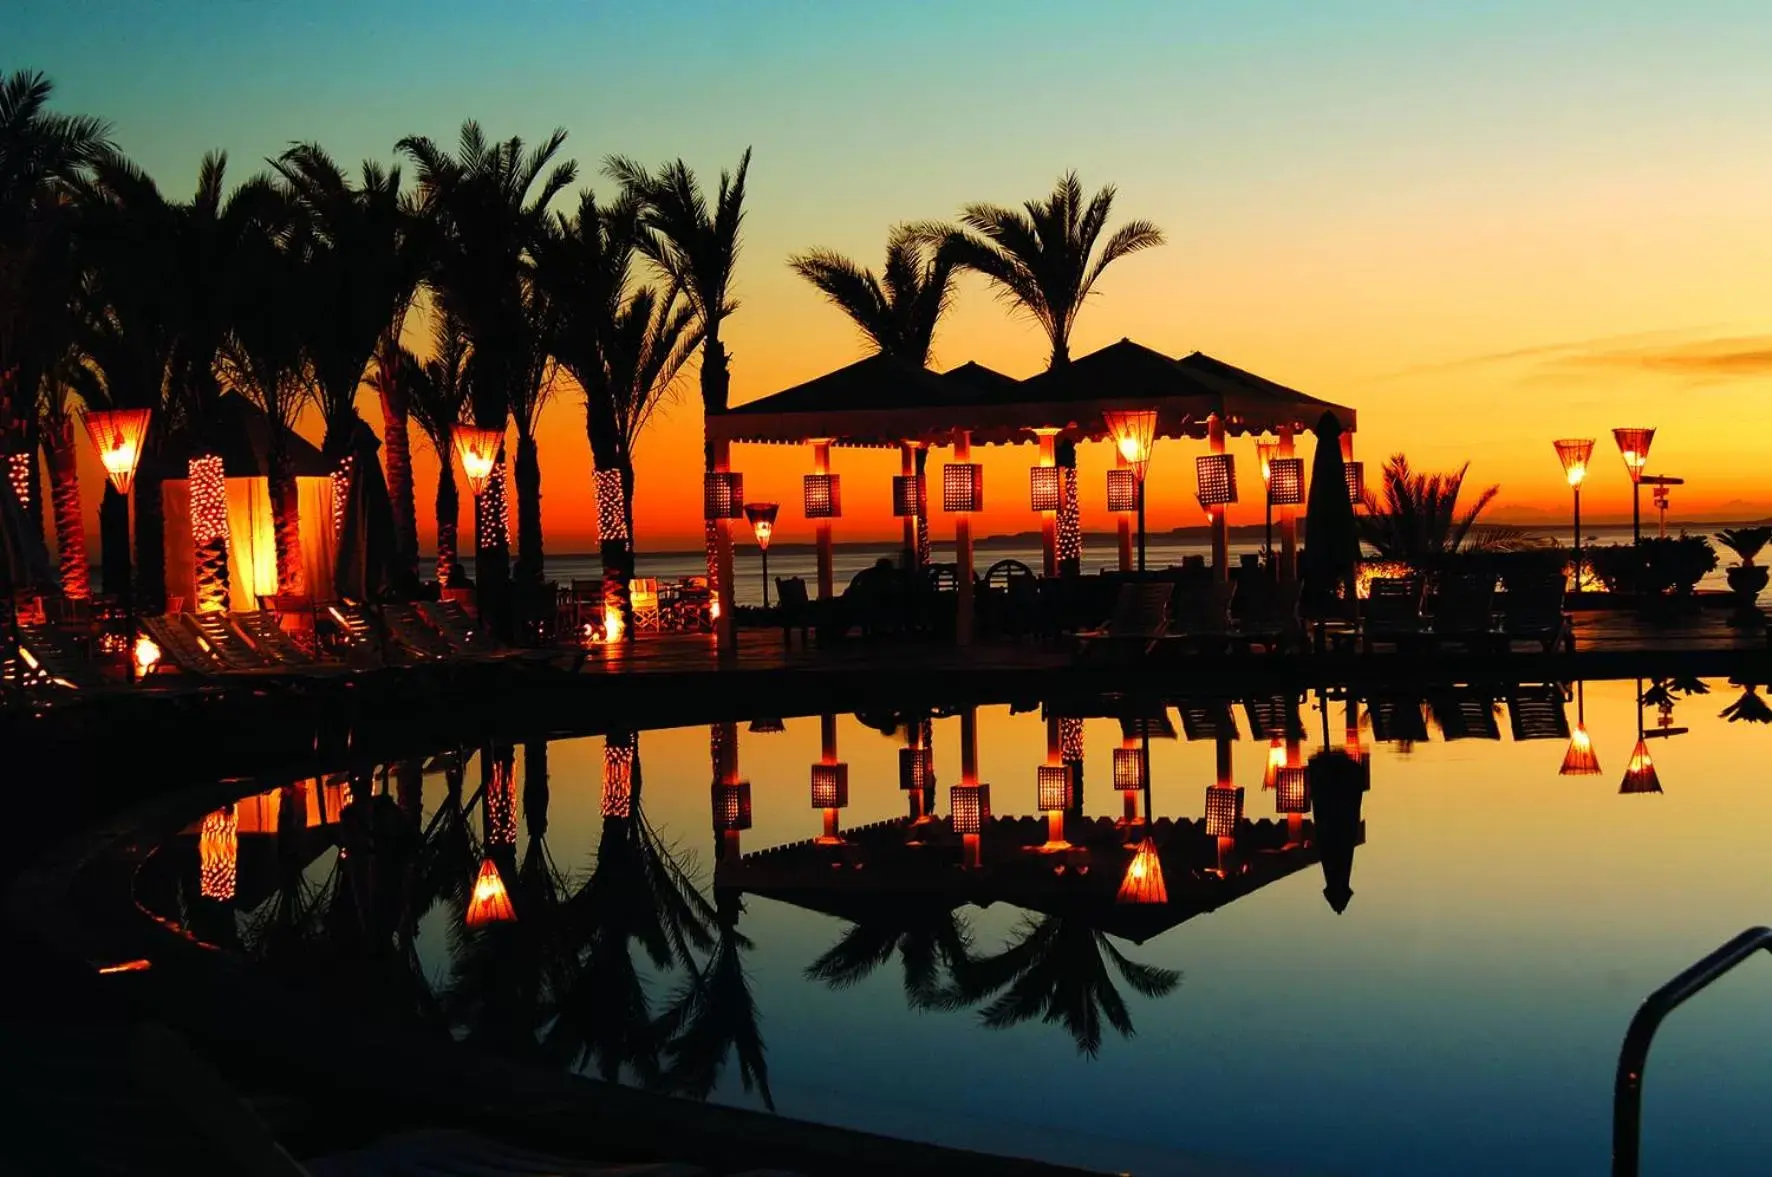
1070	517
726	624
827	731
907	467
1123	521
729	791
1288	517
821	464
973	843
963	549
1049	519
1054	757
1294	821
1221	546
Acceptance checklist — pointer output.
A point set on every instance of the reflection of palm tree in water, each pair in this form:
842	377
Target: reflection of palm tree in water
714	1013
930	940
1055	968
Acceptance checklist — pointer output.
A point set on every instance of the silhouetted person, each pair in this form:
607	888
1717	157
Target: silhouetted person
1338	784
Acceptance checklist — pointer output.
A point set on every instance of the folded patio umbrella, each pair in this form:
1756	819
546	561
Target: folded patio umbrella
1331	540
363	569
24	560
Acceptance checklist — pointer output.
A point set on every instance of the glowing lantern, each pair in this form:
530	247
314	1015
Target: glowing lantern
830	786
1574	453
1217	478
1639	774
1355	473
1285	486
218	854
1122	490
722	494
906	493
1265	453
1054	786
1224	809
1580	759
1276	760
761	517
1292	790
1045	488
1143	882
478	450
822	495
962	487
732	806
1134	433
1130	770
970	805
490	902
1633	447
146	654
916	769
117	435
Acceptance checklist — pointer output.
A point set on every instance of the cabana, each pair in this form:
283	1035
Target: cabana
883	402
239	434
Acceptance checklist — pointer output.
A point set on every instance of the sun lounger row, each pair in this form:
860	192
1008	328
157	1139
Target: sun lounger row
1465	610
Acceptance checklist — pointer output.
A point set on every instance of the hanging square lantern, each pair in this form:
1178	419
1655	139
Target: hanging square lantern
1633	447
906	490
962	487
1640	775
1045	488
478	450
1355	473
916	769
823	495
1134	432
1122	490
1054	786
1580	759
118	436
970	805
722	494
1292	790
1224	809
1129	769
1285	487
830	786
732	806
1217	477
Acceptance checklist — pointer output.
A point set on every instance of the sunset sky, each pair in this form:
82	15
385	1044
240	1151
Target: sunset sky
1484	230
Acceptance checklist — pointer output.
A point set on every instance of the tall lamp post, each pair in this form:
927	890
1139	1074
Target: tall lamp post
1265	453
1660	497
761	517
1574	453
1134	433
118	436
1633	447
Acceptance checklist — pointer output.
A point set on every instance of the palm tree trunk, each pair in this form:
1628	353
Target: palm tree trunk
529	543
448	508
492	550
113	539
397	456
716	382
922	506
1070	521
286	525
70	520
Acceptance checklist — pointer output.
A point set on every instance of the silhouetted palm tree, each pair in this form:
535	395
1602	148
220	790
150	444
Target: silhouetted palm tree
930	939
487	205
1417	517
436	395
697	249
897	312
1056	969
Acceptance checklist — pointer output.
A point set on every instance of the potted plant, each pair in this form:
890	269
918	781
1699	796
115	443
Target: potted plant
1746	579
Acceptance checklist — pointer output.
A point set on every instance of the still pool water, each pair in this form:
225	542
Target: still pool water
1461	1015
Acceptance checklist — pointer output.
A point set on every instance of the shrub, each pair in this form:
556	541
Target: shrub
1656	567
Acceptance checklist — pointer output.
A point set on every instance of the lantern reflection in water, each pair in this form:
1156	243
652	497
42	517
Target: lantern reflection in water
1640	775
1143	881
490	902
218	855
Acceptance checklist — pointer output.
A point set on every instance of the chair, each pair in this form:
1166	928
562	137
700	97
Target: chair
1533	611
1465	715
458	629
1140	618
643	597
1265	613
269	639
1464	610
181	647
1392	611
47	657
358	634
1200	613
224	644
409	631
794	607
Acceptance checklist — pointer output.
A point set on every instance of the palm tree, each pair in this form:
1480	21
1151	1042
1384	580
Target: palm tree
436	394
264	359
364	245
625	346
528	397
897	315
697	250
43	155
1042	260
1056	969
56	417
487	208
714	1013
1418	519
929	939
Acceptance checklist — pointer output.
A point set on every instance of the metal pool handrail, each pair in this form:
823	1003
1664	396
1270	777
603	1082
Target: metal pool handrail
1627	1091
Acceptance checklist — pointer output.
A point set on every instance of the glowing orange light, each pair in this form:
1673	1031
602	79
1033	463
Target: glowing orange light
1276	760
491	903
1574	453
137	965
117	435
1265	453
618	774
761	517
1580	759
1143	881
1134	433
1640	775
218	854
612	517
1633	446
18	473
478	450
146	654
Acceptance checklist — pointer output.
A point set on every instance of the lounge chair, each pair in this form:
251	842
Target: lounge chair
794	607
1537	713
225	644
1464	611
409	632
1397	718
273	645
1265	613
358	633
1392	612
1274	717
1207	719
1200	614
180	647
1141	617
1465	715
459	630
47	658
1533	611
